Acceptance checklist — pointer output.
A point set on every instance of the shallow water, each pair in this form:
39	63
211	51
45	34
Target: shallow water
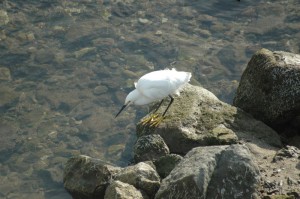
66	67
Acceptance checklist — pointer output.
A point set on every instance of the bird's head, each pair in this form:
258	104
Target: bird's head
131	98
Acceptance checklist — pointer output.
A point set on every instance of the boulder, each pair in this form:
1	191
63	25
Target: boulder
213	172
87	178
141	176
199	118
150	147
270	89
120	190
166	164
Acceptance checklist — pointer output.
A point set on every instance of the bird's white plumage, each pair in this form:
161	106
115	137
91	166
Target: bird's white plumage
157	85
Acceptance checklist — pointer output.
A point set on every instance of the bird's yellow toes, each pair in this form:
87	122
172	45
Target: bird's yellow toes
152	120
148	119
156	121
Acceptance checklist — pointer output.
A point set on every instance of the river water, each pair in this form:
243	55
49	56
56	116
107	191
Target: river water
66	67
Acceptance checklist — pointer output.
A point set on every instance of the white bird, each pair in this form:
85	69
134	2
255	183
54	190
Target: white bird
155	86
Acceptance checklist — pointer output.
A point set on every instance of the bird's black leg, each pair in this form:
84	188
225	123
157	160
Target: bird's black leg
172	99
159	105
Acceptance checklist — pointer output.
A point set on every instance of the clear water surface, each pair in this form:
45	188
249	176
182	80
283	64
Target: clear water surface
66	67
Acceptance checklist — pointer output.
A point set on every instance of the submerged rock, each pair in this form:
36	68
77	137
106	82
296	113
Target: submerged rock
213	172
8	97
9	140
5	74
4	19
270	89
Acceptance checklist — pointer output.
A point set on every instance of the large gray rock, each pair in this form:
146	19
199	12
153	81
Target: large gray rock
120	190
270	89
226	172
198	118
141	176
87	178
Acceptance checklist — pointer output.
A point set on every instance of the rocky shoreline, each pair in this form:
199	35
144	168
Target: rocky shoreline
206	148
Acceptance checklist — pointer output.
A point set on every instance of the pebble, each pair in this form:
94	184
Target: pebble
291	181
59	29
114	65
144	21
84	51
5	74
100	90
158	33
130	74
4	19
44	56
52	134
164	20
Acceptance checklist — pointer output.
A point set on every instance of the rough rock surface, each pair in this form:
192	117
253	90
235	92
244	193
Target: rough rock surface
270	89
213	172
87	178
204	120
120	190
142	176
150	147
166	164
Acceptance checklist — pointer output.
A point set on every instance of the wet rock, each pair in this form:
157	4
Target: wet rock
198	118
84	51
86	177
120	190
4	74
228	58
98	90
269	89
158	33
59	29
4	19
60	100
9	140
44	56
166	164
150	147
8	97
212	172
130	74
121	9
114	65
144	21
161	54
141	176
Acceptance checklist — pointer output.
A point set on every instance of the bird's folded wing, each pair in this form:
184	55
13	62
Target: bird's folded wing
155	90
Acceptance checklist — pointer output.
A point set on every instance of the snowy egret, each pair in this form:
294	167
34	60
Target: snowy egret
155	86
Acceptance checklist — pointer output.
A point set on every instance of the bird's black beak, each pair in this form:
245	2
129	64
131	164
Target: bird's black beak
124	106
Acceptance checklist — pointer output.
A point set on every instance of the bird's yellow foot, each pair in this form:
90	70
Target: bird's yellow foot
156	121
149	119
153	120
